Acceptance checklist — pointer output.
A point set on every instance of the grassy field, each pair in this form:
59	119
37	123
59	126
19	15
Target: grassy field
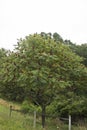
18	121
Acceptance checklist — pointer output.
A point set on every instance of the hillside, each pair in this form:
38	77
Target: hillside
18	121
8	104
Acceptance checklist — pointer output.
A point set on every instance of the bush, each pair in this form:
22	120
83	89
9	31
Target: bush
29	107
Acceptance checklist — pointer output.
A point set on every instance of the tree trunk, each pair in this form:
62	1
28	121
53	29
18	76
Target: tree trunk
43	116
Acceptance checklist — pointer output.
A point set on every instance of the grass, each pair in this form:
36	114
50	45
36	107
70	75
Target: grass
19	121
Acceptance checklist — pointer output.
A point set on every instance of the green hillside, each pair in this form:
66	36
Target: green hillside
18	121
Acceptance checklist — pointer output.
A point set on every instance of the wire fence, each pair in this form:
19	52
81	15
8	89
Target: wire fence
37	118
32	120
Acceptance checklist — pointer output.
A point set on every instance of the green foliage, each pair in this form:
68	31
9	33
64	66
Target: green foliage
28	107
44	72
45	67
57	38
8	76
80	50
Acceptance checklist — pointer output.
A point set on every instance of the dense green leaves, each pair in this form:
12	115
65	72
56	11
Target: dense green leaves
46	72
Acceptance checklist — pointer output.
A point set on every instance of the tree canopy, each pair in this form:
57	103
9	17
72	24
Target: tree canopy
42	70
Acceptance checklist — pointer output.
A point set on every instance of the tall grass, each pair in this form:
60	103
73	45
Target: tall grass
19	121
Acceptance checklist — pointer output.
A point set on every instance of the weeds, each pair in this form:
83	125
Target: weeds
19	121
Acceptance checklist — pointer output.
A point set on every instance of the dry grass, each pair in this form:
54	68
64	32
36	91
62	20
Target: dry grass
8	104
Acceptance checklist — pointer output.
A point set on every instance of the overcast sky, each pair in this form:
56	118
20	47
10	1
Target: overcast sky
19	18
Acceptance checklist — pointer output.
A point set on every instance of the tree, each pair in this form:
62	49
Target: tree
57	37
72	99
9	88
41	68
81	50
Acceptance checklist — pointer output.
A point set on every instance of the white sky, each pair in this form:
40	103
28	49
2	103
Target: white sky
19	18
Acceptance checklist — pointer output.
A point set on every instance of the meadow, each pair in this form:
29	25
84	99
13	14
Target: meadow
19	121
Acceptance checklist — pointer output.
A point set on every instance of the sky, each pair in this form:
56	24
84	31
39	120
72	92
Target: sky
19	18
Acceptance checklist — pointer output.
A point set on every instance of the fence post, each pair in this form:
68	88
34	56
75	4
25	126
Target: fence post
10	111
69	122
34	125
